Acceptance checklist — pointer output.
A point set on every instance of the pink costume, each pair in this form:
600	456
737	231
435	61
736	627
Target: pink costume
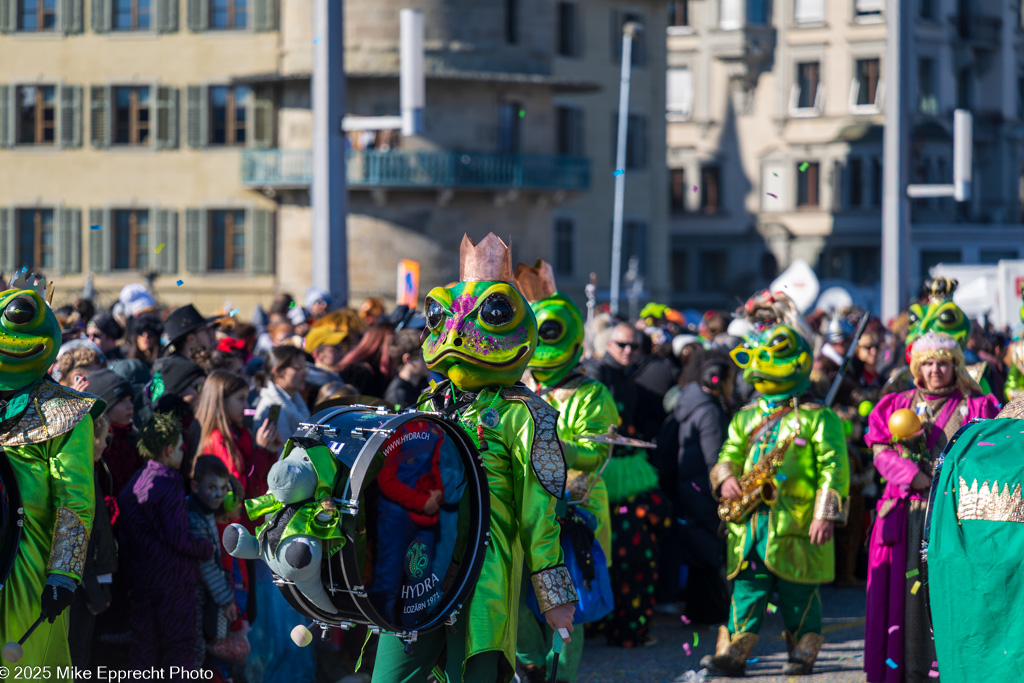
897	534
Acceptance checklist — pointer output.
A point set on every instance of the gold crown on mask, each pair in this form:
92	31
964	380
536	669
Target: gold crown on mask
537	282
24	279
989	504
942	289
488	261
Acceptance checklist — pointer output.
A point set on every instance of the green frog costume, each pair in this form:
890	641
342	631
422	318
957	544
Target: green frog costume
771	549
481	334
47	439
1015	358
585	407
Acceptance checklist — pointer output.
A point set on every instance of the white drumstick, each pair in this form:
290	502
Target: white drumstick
564	632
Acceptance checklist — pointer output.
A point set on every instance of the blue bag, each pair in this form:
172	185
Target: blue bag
587	566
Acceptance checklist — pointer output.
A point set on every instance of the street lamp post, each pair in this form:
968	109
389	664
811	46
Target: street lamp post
630	31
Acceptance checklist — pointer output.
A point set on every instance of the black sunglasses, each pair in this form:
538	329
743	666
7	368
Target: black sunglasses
626	345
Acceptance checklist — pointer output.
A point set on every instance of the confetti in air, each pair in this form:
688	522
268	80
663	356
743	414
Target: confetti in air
773	196
95	227
618	172
180	282
772	608
916	587
891	664
893	628
804	166
291	305
160	247
696	639
234	311
685	620
686	649
912	573
694	188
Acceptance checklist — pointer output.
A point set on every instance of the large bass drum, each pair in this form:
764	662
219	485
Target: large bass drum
10	518
401	570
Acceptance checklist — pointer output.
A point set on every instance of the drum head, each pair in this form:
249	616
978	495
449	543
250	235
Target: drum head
10	531
414	549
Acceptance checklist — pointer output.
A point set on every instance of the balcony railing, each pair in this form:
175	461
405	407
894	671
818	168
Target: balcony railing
401	169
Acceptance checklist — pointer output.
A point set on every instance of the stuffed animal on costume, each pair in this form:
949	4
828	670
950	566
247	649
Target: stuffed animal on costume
303	524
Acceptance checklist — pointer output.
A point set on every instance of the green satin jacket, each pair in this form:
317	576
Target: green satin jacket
813	483
585	407
526	476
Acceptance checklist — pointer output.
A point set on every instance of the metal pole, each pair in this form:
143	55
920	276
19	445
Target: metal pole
630	30
328	193
895	204
411	82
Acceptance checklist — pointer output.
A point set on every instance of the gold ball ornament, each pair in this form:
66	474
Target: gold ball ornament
904	423
301	636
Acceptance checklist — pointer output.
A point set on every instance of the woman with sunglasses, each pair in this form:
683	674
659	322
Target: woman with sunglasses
143	340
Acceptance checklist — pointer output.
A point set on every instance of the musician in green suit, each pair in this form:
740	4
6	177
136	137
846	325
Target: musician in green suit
585	407
786	545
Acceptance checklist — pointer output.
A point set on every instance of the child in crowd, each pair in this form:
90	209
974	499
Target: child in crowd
215	595
76	364
406	355
161	557
220	414
100	564
122	456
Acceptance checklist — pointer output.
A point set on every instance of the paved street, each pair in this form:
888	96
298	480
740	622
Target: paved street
840	661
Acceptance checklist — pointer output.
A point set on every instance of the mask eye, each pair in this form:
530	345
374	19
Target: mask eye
21	310
497	310
947	318
912	318
781	341
550	331
434	314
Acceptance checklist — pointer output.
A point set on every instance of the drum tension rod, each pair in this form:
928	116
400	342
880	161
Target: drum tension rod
347	507
361	432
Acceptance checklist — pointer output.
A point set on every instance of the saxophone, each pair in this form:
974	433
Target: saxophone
758	485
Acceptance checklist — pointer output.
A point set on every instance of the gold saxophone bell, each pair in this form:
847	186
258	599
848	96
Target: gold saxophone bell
769	493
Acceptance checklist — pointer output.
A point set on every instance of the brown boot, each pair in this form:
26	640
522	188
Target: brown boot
731	652
802	654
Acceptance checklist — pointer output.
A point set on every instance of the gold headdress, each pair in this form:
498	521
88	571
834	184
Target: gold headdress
941	290
766	309
488	261
23	279
535	283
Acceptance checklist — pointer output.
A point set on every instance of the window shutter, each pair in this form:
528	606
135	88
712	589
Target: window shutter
198	15
69	243
166	118
261	237
198	116
265	15
6	116
195	241
809	11
7	242
100	241
70	116
99	123
262	122
71	16
166	16
8	16
680	91
102	16
167	235
616	44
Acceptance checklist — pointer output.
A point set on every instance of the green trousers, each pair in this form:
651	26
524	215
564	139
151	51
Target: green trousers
533	646
800	603
441	649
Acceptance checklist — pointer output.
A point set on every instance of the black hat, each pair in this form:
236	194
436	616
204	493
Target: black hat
106	324
147	323
172	375
184	321
109	386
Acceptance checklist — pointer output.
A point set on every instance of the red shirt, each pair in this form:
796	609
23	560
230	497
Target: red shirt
256	463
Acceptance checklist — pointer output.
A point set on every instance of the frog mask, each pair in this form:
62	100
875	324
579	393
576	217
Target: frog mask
939	314
481	331
29	334
559	324
777	362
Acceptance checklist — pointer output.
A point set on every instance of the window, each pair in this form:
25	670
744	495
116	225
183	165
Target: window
564	262
928	99
679	88
1020	95
37	15
855	170
567	29
713	265
926	9
867	10
227	240
634	244
876	182
638	54
35	238
860	265
132	115
710	189
509	114
679	268
993	256
229	108
37	114
679	13
132	15
809	12
636	141
933	257
807	184
964	96
511	21
131	239
730	14
227	15
677	190
569	131
807	95
865	85
757	12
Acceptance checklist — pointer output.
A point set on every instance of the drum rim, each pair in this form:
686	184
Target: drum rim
479	527
14	501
